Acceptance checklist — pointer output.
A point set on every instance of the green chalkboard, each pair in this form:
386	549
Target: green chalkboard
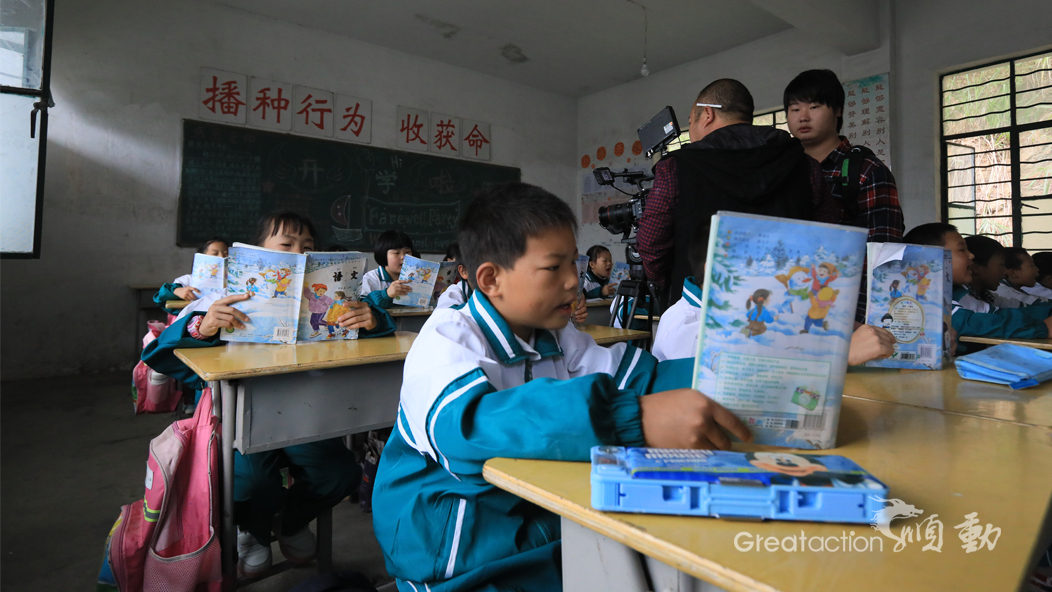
231	176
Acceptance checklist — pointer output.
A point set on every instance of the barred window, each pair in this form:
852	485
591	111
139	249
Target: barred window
997	151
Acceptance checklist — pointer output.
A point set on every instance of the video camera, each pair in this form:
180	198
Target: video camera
623	218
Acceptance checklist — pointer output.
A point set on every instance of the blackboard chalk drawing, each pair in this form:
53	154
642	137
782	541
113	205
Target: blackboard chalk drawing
433	218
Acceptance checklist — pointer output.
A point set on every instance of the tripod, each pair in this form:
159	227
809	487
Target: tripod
637	289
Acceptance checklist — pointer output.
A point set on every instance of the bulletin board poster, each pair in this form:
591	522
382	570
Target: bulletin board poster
867	115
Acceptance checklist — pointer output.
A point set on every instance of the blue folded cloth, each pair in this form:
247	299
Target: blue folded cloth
1017	366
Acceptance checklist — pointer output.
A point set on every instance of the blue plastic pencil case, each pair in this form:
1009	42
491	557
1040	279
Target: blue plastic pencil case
761	485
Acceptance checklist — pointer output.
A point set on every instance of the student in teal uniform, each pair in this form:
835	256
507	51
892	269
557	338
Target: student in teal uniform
597	278
323	472
381	285
1029	322
507	375
179	288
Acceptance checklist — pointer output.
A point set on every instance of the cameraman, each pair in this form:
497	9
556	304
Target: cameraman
729	164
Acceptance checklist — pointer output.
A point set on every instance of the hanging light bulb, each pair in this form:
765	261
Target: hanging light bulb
644	70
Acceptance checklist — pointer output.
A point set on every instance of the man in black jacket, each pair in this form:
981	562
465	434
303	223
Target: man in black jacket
730	164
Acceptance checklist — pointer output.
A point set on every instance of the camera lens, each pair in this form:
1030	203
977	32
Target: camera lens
616	218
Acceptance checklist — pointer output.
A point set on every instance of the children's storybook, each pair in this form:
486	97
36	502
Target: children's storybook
779	310
421	276
275	280
208	275
619	273
332	281
910	293
582	269
447	275
765	485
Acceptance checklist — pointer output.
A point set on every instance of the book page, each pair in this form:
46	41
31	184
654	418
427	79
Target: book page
421	276
331	281
274	279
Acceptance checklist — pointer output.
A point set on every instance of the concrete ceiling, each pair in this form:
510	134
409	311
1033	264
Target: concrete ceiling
569	47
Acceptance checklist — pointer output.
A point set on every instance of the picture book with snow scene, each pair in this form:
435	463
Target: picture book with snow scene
778	306
275	280
208	275
910	294
421	276
619	273
447	275
331	281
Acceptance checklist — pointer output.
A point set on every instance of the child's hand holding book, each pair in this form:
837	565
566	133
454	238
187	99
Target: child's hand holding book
359	317
187	293
399	288
223	316
685	418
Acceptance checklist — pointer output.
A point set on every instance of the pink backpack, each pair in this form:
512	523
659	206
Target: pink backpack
153	392
170	539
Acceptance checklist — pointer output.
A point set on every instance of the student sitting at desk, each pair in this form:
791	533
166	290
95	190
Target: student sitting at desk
1020	272
324	472
597	278
1043	287
680	326
379	286
460	290
989	321
507	376
988	271
180	289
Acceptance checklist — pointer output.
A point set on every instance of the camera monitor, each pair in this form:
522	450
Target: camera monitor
655	134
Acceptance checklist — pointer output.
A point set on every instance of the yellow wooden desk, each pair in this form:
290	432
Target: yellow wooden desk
945	390
177	304
1038	343
272	396
410	318
604	335
944	464
598	311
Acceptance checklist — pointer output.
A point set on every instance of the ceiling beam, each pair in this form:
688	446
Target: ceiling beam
852	27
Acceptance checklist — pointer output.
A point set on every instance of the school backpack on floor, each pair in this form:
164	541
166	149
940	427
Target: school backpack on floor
169	540
153	392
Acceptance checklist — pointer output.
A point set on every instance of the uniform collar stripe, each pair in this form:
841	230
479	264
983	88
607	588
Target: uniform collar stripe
499	334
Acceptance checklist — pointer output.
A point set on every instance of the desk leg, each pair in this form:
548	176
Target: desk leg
227	393
592	561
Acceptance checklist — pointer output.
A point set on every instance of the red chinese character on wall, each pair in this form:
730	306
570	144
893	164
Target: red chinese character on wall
446	131
476	140
312	105
264	101
412	130
226	95
354	119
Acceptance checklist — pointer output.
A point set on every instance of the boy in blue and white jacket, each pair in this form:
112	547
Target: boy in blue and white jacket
506	375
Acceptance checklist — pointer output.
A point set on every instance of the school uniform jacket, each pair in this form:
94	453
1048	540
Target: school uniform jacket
1039	291
678	331
454	295
1009	291
972	317
593	285
472	391
374	287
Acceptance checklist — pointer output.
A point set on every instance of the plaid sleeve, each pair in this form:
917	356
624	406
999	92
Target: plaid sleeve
878	204
654	239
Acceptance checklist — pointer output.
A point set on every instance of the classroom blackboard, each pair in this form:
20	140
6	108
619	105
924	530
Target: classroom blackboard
231	176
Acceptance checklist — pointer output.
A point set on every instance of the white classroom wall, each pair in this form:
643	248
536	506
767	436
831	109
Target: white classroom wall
919	40
125	73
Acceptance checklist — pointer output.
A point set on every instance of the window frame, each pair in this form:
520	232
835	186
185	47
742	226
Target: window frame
1013	129
42	105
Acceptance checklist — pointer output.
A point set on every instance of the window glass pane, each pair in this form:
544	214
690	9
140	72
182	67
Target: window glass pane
18	174
1033	85
764	119
1035	163
976	100
979	175
22	42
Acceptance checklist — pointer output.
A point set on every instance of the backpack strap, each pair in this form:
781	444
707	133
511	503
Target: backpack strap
851	178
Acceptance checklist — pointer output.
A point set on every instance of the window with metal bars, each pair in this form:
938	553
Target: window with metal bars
774	118
997	151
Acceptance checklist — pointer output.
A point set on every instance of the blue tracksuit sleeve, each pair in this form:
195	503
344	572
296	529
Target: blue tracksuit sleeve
471	422
160	353
1001	323
379	299
596	292
385	325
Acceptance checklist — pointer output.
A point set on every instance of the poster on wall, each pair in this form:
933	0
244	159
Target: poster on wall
867	115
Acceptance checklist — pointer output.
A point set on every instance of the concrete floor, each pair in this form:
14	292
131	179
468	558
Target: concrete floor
72	452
